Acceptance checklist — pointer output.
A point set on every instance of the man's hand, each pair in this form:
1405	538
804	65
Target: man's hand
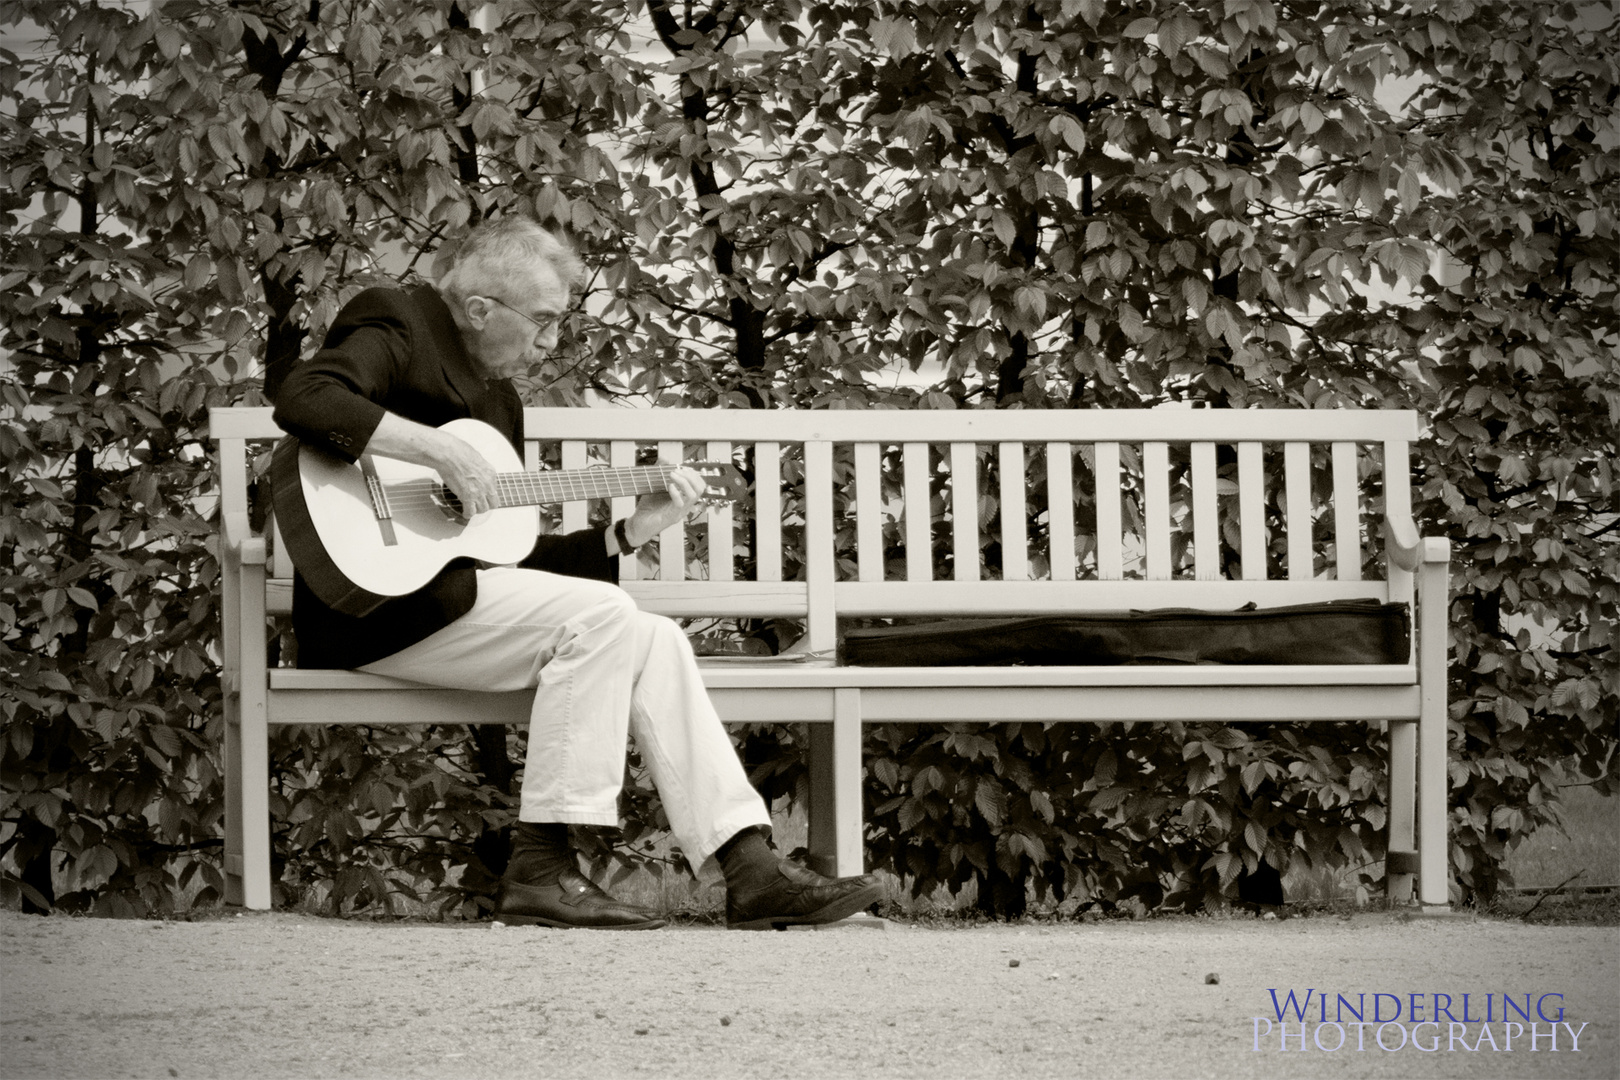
467	473
464	470
655	513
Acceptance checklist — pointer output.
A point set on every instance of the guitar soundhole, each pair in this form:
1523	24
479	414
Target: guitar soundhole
448	503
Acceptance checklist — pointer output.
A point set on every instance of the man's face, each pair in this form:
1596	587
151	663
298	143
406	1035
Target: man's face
509	332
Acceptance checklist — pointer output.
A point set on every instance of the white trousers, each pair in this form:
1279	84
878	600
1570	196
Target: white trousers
601	669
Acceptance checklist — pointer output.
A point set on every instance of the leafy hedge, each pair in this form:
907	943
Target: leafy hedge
1047	205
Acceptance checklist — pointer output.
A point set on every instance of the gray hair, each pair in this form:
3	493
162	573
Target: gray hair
497	252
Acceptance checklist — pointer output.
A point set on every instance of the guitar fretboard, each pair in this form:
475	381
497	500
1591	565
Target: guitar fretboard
538	488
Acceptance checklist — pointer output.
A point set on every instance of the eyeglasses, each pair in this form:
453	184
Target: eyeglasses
543	327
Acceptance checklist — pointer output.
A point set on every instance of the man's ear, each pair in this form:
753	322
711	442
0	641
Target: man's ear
477	309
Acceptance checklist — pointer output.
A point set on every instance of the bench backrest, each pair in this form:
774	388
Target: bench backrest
1084	510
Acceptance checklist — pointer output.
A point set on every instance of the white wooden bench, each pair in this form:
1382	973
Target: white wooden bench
1158	490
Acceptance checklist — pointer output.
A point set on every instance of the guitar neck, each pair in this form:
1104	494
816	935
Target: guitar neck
569	485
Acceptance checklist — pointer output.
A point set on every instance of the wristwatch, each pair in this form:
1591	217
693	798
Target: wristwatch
622	538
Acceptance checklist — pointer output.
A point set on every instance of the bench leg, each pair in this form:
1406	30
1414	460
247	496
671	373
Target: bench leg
836	841
247	813
232	752
250	759
1434	873
247	750
1400	862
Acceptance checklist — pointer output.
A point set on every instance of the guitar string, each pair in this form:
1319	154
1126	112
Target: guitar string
618	483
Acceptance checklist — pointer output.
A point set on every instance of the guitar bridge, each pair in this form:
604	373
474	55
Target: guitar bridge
379	501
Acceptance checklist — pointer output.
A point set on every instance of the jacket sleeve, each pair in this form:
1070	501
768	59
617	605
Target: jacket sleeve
577	554
332	401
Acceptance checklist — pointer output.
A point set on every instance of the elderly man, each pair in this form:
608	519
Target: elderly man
396	365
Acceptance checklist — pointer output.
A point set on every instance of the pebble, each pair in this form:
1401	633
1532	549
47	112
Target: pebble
1012	963
725	1021
641	1031
1212	979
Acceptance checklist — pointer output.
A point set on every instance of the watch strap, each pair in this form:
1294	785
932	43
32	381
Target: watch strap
622	537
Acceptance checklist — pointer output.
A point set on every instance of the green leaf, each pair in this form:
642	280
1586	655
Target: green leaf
1110	798
1107	768
991	801
165	739
1004	228
1069	129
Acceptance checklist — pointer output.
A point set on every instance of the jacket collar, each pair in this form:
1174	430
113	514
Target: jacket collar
460	370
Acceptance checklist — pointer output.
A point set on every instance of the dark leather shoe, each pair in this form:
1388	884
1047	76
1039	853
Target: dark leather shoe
800	897
574	900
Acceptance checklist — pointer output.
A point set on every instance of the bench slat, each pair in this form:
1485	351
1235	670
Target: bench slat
869	511
1014	528
1298	519
1060	510
768	510
1206	520
1252	511
766	703
965	510
820	569
977	425
672	541
919	513
622	455
1110	528
1108	703
808	675
576	512
749	425
788	599
1346	512
733	599
1156	508
722	532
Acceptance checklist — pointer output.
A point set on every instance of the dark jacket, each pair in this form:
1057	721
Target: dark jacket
400	352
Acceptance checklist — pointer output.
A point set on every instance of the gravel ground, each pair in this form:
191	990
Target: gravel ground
279	995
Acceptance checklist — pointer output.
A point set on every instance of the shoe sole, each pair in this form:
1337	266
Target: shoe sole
841	908
536	920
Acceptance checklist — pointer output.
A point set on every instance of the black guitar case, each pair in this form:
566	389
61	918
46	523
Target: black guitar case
1336	632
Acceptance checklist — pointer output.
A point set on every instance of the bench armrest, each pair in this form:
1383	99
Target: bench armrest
1409	551
1405	545
247	549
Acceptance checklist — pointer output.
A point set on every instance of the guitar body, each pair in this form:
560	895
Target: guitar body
361	533
349	558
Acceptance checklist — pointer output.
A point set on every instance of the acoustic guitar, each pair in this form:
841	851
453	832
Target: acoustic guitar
361	533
